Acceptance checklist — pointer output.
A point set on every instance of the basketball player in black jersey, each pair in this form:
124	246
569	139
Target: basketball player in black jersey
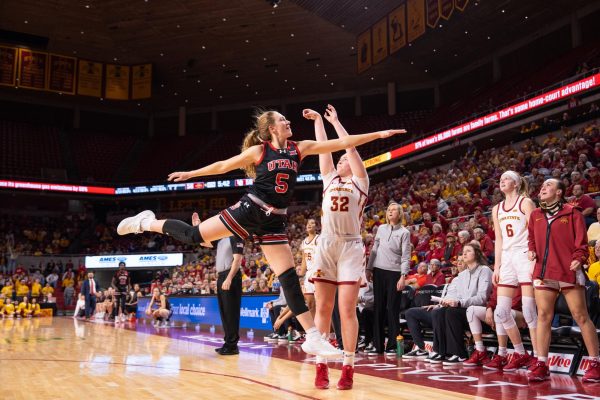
122	284
272	160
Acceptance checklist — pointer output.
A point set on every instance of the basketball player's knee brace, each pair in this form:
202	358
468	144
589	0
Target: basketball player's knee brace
530	312
292	291
182	231
503	313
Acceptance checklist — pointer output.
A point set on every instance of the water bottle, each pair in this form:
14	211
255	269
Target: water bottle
250	334
399	345
289	336
212	330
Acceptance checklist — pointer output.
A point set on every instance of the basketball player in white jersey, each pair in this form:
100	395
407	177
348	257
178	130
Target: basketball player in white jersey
309	249
340	261
512	268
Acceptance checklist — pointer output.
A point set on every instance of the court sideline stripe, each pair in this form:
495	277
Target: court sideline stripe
157	367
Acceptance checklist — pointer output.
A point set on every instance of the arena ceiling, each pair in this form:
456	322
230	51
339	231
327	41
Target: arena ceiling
209	52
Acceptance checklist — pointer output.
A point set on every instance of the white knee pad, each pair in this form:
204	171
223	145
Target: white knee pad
530	312
503	313
474	321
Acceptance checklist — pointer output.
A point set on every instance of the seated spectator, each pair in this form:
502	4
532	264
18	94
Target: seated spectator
7	289
450	250
36	310
594	270
586	205
262	286
80	307
52	279
36	289
24	308
435	276
131	302
463	238
437	250
47	291
419	279
8	309
22	288
486	244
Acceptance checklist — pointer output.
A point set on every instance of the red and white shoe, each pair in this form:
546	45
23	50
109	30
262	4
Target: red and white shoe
347	379
518	361
539	372
593	372
497	363
532	362
322	377
477	359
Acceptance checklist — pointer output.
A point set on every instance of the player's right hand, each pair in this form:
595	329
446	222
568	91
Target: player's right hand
496	276
531	255
179	176
390	133
369	275
310	114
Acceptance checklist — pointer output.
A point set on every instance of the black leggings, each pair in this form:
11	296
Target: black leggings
120	303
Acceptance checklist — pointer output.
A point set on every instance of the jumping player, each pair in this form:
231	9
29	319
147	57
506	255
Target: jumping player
340	260
511	270
309	249
273	161
121	282
159	308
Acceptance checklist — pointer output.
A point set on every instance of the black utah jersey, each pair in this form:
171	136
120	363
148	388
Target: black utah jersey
276	174
122	278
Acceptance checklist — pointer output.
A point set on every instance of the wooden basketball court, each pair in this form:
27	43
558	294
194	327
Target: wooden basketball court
63	358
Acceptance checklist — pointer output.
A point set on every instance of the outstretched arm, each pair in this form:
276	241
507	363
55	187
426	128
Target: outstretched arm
247	157
325	159
310	147
356	163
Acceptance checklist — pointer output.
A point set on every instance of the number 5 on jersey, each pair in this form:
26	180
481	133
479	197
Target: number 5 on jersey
281	184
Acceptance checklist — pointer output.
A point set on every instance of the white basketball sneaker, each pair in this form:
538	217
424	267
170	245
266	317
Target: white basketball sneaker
134	224
318	346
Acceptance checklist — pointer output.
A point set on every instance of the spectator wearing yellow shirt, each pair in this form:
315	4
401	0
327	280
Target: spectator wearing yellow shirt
22	288
24	308
36	289
593	271
8	310
68	281
7	290
47	290
35	308
593	232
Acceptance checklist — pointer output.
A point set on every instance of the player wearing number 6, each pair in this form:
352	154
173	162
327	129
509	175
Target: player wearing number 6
273	161
340	256
512	269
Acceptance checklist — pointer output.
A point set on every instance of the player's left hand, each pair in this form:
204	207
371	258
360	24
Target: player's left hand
179	176
575	265
390	132
331	114
226	284
310	114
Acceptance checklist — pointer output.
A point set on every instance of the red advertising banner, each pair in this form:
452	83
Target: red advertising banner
55	187
433	13
495	117
8	66
32	69
62	74
461	4
446	8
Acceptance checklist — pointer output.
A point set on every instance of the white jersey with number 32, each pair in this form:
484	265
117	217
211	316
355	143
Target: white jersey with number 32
513	225
343	204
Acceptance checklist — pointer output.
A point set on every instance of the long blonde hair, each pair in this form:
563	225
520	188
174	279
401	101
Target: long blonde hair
258	134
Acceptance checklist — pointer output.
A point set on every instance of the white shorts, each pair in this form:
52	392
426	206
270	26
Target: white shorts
516	268
309	287
339	261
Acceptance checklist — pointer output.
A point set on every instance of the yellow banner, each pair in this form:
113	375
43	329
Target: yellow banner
380	41
141	81
461	4
8	66
89	78
397	28
363	47
32	69
378	159
415	19
117	82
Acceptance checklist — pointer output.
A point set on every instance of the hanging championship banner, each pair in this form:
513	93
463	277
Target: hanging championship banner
397	28
380	41
415	23
62	74
117	82
461	4
363	45
141	81
8	66
446	8
433	13
32	69
89	78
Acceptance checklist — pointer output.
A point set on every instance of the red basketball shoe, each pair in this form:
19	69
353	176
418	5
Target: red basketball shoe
593	372
346	380
539	372
322	377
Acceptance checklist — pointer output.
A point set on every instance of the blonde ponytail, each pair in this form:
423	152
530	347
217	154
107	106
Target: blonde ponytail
257	135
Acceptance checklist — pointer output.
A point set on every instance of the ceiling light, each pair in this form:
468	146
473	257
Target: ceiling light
274	3
115	59
203	47
186	100
317	65
256	92
82	32
247	41
441	26
87	6
247	85
224	19
176	94
285	80
210	90
293	88
325	76
223	65
74	51
366	8
466	32
178	26
264	58
237	76
331	83
162	54
489	37
291	35
139	104
372	78
308	53
426	70
198	81
220	96
526	17
434	50
26	22
162	85
503	11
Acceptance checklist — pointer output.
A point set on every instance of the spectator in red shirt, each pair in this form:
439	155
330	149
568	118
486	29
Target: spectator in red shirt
420	278
594	180
437	251
435	276
463	238
487	247
584	203
559	229
577	179
451	249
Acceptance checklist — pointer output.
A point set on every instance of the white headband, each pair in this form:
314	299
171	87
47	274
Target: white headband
512	175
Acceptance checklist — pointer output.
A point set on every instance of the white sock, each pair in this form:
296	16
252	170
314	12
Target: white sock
519	348
349	358
479	346
543	359
534	353
321	360
502	351
145	224
312	334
